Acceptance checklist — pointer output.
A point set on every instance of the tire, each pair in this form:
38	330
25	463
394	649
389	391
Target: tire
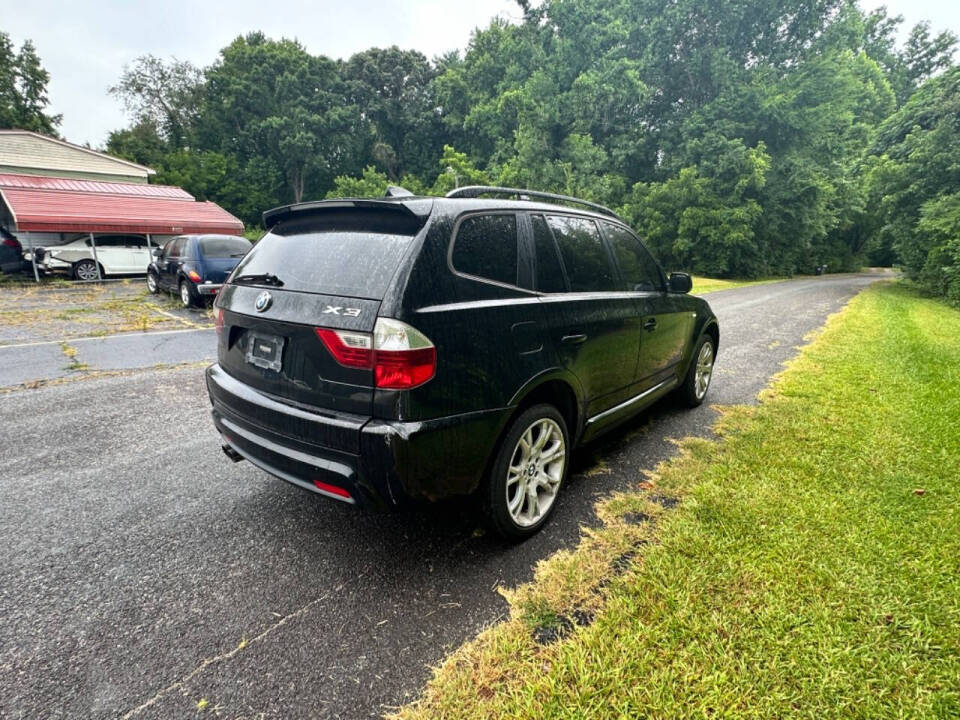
153	284
86	270
186	295
696	384
522	489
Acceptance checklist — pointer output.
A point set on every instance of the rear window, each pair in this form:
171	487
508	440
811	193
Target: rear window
486	247
339	254
223	247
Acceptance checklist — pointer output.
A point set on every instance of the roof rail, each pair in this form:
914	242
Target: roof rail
472	191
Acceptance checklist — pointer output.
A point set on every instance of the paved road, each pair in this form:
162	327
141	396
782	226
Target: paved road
142	572
45	360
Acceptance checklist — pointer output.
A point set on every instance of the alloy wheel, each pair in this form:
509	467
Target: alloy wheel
86	271
704	369
535	471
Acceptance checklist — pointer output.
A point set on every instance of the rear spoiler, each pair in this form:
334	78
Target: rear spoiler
413	208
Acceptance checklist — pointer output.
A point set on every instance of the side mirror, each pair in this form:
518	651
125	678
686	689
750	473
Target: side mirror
157	252
679	282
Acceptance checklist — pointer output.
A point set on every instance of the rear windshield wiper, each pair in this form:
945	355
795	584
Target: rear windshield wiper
261	279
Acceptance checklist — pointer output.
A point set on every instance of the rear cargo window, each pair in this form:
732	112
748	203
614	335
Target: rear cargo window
224	247
334	256
486	246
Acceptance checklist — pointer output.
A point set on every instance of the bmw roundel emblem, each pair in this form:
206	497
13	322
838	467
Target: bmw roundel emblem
264	300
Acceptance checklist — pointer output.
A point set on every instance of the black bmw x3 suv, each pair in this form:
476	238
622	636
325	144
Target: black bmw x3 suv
379	350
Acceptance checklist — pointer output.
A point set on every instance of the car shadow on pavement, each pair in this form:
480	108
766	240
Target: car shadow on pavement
424	532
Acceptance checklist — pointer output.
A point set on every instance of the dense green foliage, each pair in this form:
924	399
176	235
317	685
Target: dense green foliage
913	180
23	89
742	138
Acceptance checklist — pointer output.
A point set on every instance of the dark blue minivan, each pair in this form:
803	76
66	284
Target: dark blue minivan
194	267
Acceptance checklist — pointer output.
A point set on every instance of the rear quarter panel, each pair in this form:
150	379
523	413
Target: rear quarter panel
488	337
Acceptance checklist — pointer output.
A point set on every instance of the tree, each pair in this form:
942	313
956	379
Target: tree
913	182
273	100
938	230
456	170
743	137
924	56
707	217
164	94
394	89
140	143
23	89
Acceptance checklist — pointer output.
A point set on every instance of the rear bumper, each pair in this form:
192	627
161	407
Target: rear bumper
13	266
208	288
379	463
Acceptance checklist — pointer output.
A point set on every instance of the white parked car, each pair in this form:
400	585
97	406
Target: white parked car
118	255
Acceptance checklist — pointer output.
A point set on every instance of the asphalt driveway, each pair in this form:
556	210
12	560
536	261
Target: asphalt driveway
143	573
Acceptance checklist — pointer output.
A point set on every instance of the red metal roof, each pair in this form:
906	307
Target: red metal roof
42	207
46	182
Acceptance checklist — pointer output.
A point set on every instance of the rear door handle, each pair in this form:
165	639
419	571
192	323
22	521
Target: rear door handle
573	339
650	324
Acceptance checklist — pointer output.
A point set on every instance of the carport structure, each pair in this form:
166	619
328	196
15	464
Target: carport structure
42	207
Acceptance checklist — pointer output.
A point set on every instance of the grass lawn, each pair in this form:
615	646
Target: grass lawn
810	569
704	285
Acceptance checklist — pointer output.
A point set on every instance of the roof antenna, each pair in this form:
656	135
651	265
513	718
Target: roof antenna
397	191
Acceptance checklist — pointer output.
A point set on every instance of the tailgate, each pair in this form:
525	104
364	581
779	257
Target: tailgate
272	351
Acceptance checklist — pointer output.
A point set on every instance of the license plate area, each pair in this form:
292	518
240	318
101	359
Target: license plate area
265	351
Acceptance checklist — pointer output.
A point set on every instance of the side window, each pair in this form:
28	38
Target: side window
549	272
637	266
135	241
486	246
172	250
108	241
586	262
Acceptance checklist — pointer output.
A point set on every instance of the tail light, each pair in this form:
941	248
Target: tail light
219	323
400	356
11	243
194	275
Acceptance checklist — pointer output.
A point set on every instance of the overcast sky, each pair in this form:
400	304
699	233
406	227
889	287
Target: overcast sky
84	44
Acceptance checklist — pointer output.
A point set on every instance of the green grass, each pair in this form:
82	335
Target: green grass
704	285
811	569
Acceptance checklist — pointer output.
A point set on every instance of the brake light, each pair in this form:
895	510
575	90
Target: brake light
10	243
400	356
219	322
194	275
404	369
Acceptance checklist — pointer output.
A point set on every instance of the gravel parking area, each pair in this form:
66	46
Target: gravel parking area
65	312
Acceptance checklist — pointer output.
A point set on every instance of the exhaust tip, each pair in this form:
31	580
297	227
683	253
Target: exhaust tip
231	453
